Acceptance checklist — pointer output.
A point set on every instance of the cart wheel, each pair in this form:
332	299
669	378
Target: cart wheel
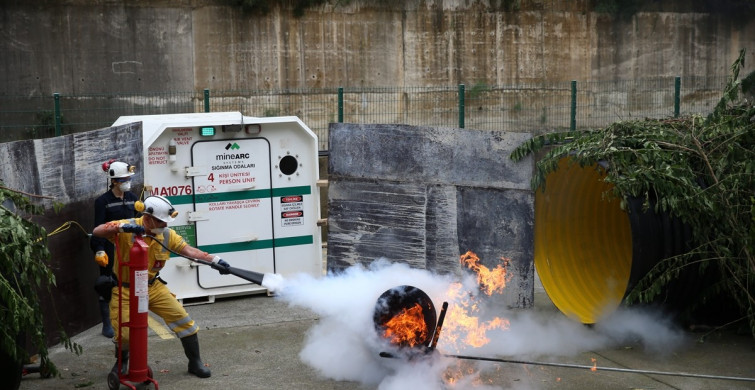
113	382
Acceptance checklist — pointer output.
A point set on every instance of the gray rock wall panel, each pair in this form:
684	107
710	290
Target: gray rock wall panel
496	224
423	196
99	146
68	170
18	168
370	220
442	230
428	154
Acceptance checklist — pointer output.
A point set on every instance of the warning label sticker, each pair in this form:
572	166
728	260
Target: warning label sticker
292	210
292	203
140	283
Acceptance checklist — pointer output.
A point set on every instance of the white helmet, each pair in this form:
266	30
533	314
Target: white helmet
117	169
160	208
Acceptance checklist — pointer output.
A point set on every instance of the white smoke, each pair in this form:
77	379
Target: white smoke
344	345
533	334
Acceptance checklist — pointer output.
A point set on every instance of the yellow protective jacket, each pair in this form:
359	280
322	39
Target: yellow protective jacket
157	255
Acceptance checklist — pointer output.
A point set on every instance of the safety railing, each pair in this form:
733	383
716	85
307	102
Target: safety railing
534	108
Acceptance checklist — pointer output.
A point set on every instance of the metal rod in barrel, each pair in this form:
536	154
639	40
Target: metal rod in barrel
438	327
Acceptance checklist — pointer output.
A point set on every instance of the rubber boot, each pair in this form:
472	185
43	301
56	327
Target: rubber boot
191	348
124	362
107	328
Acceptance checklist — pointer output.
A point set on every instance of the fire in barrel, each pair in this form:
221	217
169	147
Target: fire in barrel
405	316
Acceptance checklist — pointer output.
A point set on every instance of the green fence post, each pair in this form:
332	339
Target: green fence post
677	98
340	104
58	130
461	106
206	100
573	116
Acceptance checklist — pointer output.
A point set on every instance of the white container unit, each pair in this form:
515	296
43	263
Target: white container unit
245	189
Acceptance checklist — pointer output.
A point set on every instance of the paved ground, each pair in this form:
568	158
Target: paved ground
254	342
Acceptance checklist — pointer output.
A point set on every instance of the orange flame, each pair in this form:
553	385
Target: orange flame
462	327
490	280
594	364
408	327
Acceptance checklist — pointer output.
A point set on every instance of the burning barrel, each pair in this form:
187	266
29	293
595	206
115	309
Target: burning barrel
405	316
588	251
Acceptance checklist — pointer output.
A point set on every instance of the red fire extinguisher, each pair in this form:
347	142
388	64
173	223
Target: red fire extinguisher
138	370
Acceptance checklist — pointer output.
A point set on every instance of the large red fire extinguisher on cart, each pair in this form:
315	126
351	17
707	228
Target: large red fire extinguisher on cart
138	370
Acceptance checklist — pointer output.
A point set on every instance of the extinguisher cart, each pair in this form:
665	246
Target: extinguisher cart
138	370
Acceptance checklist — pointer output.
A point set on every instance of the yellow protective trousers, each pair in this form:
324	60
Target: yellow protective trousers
161	302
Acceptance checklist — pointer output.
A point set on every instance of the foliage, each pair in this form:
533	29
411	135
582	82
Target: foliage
701	170
44	124
737	11
506	5
263	7
478	89
271	111
622	9
23	273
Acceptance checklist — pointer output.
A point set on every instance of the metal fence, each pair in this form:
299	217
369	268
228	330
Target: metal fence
534	108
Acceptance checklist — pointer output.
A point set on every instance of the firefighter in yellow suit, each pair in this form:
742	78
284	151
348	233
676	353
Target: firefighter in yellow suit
157	212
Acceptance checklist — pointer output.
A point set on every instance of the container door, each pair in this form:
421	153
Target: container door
233	204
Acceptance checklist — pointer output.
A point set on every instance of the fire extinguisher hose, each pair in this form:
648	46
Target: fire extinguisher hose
251	276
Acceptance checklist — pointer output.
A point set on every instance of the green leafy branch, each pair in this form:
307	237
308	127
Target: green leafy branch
23	274
700	170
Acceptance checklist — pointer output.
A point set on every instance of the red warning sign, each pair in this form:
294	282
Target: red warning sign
292	214
292	199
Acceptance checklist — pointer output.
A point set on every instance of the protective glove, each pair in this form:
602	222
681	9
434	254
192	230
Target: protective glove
131	228
101	258
217	260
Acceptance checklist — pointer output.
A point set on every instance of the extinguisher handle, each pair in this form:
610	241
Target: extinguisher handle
131	228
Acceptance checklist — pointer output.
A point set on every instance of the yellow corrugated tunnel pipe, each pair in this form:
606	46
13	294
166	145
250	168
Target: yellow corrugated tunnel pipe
583	242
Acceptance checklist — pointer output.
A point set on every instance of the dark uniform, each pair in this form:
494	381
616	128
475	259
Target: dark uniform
109	207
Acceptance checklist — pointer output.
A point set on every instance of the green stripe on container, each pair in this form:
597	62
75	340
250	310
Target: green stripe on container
302	190
230	196
239	195
261	244
237	246
180	199
291	241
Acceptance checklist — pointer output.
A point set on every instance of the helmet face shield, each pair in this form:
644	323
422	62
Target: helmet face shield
160	208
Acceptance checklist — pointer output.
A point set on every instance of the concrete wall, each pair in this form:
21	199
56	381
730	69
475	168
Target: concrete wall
68	170
423	196
88	46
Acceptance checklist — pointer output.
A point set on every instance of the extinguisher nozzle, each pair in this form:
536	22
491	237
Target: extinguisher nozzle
273	282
